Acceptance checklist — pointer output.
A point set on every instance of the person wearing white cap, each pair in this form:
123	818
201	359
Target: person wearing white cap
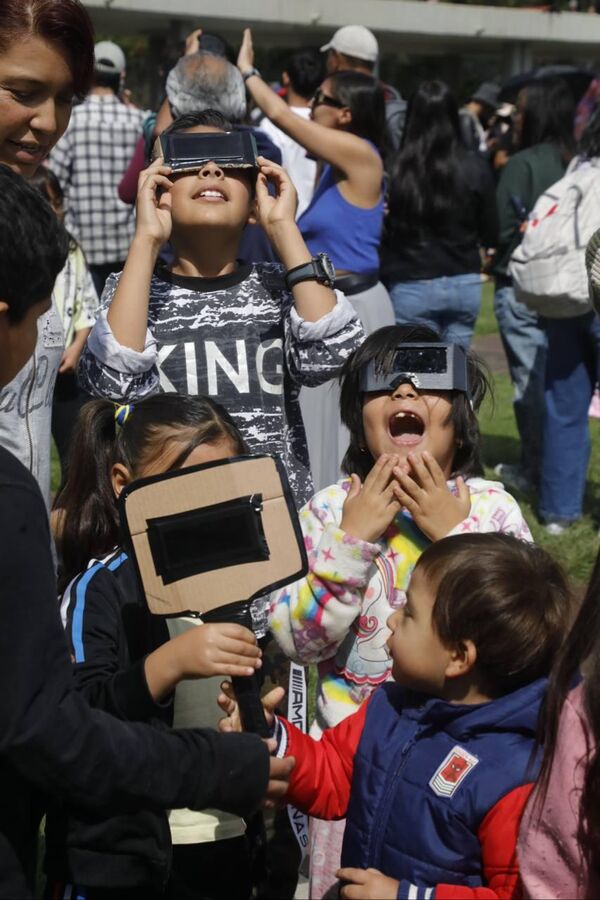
355	48
89	161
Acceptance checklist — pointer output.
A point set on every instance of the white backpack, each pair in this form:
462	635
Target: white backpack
548	267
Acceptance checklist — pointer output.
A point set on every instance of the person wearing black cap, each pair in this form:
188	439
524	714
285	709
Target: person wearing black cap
476	114
89	161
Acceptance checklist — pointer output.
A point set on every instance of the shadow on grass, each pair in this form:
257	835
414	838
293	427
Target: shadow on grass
500	448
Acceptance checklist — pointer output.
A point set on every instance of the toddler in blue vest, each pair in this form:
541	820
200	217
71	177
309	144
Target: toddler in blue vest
433	772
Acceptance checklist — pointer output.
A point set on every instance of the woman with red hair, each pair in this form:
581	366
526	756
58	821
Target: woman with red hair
46	60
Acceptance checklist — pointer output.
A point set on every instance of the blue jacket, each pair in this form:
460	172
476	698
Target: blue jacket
423	782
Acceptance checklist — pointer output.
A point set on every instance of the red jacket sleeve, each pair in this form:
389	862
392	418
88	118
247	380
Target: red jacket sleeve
127	189
320	782
498	835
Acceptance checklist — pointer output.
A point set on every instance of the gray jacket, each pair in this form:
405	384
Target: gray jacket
26	403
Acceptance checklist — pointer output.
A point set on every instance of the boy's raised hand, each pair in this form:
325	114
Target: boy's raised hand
427	497
371	507
280	210
153	204
228	704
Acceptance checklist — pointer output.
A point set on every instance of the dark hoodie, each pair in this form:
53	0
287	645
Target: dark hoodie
50	738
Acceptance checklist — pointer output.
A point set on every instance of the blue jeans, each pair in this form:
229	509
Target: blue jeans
571	372
524	343
450	305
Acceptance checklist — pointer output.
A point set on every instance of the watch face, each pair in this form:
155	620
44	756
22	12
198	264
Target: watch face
328	266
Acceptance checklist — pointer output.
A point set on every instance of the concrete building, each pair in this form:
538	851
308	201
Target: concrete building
459	43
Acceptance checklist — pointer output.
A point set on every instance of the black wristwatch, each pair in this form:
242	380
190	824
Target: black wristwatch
247	73
320	269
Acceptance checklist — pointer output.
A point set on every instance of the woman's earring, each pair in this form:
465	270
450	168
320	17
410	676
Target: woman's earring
459	443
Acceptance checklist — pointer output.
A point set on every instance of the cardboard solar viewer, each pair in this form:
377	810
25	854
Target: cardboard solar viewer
208	539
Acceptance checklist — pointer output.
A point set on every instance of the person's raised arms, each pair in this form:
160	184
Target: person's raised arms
350	154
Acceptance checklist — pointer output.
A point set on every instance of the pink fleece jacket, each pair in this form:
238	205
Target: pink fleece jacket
551	861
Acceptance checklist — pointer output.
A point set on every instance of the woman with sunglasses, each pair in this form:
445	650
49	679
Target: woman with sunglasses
345	133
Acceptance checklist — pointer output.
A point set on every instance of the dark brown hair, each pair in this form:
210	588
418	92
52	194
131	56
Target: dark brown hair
582	645
507	596
90	519
64	23
380	346
364	97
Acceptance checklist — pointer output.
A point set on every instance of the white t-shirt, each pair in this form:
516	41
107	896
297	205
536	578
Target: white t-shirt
302	171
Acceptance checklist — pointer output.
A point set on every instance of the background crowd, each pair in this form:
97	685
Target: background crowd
172	332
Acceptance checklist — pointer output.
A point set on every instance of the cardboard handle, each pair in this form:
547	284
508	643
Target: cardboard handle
251	709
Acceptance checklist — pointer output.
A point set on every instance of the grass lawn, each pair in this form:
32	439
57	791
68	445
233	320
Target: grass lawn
577	548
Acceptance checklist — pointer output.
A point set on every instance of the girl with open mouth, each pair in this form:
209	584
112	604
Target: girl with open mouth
414	476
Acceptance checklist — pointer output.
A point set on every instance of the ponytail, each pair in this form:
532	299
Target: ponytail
89	516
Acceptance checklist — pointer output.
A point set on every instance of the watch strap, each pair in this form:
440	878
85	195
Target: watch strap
313	270
248	73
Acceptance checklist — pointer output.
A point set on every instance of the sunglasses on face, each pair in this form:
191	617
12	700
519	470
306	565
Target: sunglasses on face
321	99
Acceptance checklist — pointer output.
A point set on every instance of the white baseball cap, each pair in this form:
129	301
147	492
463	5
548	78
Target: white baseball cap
109	58
354	40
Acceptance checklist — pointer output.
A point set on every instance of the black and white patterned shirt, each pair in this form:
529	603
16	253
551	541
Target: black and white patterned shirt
89	161
236	338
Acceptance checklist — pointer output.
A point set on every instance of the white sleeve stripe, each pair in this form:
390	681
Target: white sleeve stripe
281	736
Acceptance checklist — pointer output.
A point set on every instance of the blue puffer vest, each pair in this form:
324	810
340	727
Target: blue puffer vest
426	775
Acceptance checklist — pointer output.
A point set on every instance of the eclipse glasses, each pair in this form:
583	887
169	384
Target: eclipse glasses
185	152
428	366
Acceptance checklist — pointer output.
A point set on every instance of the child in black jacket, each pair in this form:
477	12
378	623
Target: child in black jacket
130	663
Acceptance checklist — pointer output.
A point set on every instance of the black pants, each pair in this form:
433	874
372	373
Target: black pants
216	871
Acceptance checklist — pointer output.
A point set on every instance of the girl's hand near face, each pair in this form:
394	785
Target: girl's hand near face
370	508
153	204
425	494
279	211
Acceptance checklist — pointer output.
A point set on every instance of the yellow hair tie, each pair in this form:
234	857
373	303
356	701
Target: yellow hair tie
122	413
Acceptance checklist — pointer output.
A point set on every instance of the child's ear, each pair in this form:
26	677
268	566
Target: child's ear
463	657
120	476
253	212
